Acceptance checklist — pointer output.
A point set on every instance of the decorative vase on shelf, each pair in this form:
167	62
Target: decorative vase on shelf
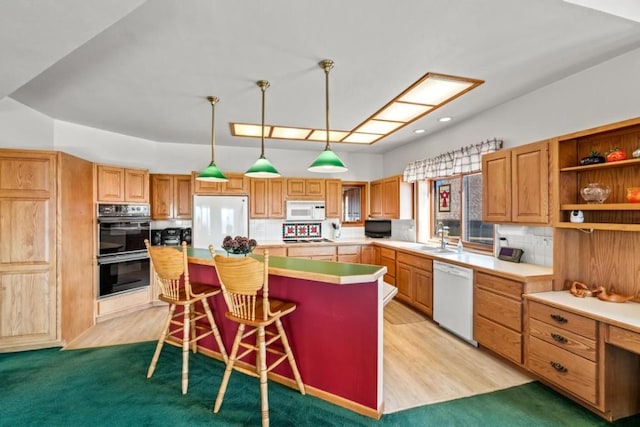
595	192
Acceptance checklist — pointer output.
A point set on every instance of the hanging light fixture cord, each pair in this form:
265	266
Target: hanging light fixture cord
327	65
263	86
213	100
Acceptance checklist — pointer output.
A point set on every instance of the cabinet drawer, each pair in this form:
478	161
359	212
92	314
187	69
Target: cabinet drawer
312	251
497	338
387	253
561	338
624	338
422	263
349	250
389	279
568	371
502	310
564	319
500	285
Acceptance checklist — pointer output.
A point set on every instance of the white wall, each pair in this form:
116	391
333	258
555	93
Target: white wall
606	93
166	157
23	127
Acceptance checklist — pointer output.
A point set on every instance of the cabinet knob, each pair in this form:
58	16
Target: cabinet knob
559	338
558	318
558	366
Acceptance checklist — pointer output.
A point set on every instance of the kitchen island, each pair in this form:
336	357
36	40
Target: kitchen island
335	332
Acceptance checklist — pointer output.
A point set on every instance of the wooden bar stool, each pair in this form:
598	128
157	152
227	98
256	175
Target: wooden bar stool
241	278
171	269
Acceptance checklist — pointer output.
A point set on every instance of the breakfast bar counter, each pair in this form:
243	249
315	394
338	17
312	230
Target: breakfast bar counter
335	332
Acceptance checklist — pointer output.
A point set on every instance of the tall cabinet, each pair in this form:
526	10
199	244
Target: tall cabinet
46	249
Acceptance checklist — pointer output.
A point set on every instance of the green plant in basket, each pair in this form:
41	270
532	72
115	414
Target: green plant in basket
238	244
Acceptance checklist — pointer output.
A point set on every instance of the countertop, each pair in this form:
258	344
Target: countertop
339	273
626	315
476	261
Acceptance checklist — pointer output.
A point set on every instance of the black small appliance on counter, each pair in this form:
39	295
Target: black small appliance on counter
377	228
171	236
185	235
156	237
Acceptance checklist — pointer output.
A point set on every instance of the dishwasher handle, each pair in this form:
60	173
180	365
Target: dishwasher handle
452	269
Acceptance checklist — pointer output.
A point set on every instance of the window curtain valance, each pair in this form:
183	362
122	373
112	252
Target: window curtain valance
464	160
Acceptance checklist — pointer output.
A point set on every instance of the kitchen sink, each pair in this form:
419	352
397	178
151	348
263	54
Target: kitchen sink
440	250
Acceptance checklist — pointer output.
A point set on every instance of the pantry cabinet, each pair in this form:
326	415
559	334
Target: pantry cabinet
266	198
117	184
237	184
391	198
170	197
515	185
47	249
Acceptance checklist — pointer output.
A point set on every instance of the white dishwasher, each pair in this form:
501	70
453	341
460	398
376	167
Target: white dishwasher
453	299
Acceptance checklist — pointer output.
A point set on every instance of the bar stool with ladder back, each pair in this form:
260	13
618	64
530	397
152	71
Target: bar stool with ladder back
181	329
241	279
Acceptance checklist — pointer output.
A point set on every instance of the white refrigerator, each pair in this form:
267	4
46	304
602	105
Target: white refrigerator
215	217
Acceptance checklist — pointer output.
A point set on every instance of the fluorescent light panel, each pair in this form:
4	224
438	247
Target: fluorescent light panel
430	92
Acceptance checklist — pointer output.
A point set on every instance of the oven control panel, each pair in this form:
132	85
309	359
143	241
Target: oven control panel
141	210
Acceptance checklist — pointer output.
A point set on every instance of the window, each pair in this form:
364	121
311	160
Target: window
457	203
354	203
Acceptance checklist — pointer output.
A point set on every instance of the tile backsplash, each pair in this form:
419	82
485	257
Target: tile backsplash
536	242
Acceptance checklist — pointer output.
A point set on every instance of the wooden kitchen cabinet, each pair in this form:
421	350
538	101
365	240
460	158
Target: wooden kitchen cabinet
170	197
387	258
333	198
116	184
237	184
562	349
515	185
305	188
414	280
266	198
497	322
47	251
324	252
367	254
391	198
348	253
615	213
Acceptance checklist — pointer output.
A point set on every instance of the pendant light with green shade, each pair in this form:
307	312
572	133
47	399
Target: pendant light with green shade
262	168
327	161
212	173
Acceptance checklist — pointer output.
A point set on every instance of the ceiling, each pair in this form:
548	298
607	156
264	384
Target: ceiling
145	68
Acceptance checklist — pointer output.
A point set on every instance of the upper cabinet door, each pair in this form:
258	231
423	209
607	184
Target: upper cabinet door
110	184
530	183
136	185
182	199
496	186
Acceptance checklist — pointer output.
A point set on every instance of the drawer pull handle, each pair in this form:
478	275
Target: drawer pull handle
558	318
559	338
558	367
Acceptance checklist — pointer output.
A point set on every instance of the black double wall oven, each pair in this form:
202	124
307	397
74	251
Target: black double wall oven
123	262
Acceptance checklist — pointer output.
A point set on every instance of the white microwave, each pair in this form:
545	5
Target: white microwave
304	210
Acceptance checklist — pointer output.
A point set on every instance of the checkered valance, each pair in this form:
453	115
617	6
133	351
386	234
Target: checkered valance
466	159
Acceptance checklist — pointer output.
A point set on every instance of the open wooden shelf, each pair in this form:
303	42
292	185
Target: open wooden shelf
598	226
607	165
600	207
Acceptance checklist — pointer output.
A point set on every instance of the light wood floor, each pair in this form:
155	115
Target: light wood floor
422	363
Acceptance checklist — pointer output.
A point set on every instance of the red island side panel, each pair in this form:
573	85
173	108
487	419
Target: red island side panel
333	332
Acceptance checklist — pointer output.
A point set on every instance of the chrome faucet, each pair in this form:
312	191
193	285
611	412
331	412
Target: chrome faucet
442	229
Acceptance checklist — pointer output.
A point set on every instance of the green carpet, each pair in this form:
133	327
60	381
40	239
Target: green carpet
108	387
